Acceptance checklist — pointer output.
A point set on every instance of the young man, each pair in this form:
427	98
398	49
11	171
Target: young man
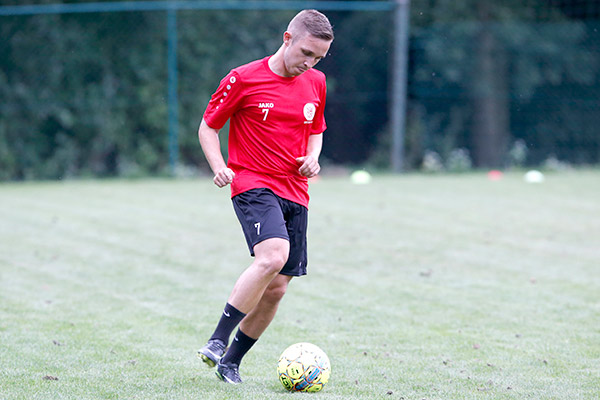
275	107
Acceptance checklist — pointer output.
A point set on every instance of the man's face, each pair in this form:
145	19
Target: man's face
302	53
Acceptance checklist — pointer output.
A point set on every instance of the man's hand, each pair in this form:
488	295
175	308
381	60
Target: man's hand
224	177
309	166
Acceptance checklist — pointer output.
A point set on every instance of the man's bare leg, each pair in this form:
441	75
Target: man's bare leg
269	258
255	323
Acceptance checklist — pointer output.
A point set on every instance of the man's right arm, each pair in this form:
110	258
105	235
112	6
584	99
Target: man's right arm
211	146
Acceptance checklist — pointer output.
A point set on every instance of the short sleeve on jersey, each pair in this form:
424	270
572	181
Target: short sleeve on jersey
320	126
224	102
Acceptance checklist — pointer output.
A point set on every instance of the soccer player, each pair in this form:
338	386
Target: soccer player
275	106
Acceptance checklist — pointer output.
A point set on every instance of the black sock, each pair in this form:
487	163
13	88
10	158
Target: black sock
230	318
239	347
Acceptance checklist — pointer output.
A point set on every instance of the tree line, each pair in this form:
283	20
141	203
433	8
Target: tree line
86	94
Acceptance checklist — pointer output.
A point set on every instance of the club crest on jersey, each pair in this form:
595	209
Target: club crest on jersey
309	112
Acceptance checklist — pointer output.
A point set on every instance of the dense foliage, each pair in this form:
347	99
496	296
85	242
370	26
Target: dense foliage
86	94
492	76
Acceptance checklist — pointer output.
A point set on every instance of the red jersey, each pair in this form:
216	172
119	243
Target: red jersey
271	118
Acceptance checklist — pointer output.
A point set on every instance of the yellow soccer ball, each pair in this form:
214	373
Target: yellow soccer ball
303	367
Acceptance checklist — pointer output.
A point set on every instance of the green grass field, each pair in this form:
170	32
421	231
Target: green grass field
419	287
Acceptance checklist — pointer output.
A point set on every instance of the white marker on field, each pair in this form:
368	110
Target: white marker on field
534	176
360	177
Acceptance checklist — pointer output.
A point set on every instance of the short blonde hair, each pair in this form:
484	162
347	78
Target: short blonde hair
312	22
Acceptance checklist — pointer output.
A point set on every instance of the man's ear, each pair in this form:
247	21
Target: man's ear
287	38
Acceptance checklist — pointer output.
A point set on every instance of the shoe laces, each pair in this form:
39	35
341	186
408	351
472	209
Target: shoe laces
217	343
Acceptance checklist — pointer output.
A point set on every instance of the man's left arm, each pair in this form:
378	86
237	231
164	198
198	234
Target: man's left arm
309	164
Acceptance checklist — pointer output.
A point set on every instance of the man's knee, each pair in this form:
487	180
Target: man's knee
272	254
275	292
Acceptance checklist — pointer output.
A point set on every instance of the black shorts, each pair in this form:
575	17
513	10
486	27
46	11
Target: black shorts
264	215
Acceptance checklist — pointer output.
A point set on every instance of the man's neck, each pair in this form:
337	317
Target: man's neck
276	63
